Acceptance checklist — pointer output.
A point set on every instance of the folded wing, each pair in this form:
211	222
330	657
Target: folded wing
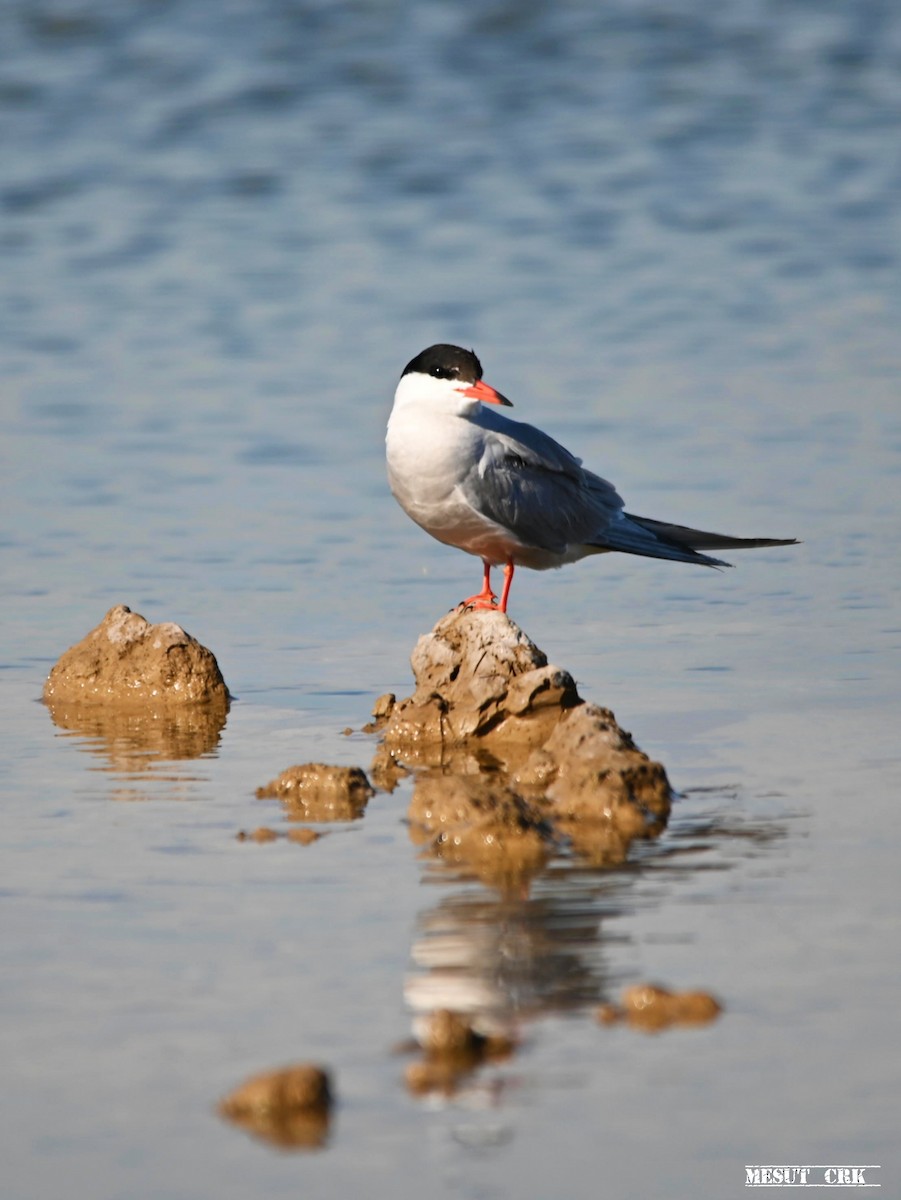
531	485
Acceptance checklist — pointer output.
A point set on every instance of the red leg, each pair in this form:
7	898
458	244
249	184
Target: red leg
508	579
486	597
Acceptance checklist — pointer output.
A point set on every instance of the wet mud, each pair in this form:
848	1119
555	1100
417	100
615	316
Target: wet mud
263	834
319	792
138	693
652	1008
509	761
289	1108
127	662
512	771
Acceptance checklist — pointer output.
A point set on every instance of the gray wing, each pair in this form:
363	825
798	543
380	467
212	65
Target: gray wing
533	486
530	484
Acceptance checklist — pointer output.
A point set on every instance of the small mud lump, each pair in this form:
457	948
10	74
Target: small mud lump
319	792
290	1107
650	1007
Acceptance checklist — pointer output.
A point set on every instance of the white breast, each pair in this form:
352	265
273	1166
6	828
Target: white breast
430	453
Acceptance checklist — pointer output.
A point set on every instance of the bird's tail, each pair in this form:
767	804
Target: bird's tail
660	539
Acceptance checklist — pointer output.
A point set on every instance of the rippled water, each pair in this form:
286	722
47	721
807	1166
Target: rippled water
672	234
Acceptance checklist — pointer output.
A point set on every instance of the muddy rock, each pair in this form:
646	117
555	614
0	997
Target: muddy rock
318	792
289	1107
262	834
588	764
650	1007
381	711
128	663
302	836
477	677
598	788
492	729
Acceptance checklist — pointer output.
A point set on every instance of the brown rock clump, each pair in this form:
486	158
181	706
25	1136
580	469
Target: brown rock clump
599	789
507	754
478	679
289	1107
128	663
302	836
649	1007
263	834
381	711
318	792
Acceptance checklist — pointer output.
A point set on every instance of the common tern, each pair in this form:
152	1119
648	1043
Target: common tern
507	492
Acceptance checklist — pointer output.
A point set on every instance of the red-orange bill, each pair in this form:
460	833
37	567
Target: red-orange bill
484	391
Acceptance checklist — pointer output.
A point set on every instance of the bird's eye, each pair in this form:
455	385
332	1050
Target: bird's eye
444	372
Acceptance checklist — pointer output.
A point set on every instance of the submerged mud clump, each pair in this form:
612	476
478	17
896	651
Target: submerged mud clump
290	1107
302	836
318	792
649	1007
127	662
509	758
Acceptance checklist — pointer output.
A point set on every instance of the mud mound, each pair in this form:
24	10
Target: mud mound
290	1107
508	757
127	662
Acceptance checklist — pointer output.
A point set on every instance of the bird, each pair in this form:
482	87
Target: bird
506	491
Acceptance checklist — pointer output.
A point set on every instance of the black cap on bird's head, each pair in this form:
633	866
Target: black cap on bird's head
443	361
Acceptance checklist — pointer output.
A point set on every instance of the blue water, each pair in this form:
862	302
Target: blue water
672	233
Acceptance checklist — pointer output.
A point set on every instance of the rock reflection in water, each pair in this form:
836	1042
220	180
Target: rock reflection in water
479	821
509	760
452	1049
134	743
525	948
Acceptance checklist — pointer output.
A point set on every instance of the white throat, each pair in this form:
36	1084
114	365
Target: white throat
424	392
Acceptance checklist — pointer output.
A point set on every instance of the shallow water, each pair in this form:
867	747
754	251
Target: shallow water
672	235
